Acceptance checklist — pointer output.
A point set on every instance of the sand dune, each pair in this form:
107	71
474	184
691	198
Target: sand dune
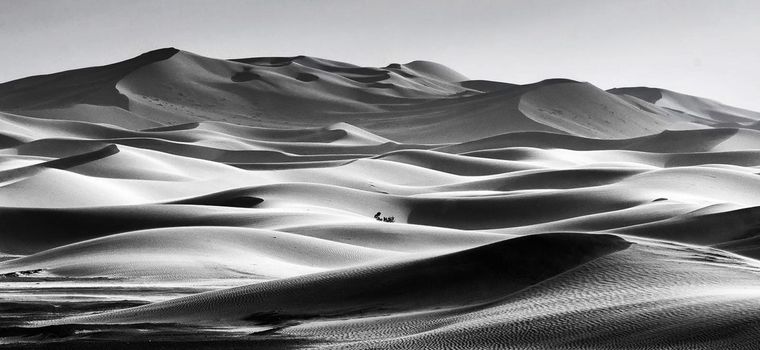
193	88
696	106
243	201
648	295
184	253
474	276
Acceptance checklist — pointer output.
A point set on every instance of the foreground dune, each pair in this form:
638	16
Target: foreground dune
303	202
649	295
472	276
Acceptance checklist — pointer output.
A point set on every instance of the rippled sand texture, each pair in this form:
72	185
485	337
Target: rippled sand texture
174	200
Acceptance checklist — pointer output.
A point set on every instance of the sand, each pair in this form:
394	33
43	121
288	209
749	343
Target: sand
178	200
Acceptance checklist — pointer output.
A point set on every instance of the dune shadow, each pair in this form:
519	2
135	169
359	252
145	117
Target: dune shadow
245	75
306	77
237	198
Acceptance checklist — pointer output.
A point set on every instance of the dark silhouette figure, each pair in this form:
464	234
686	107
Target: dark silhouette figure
384	218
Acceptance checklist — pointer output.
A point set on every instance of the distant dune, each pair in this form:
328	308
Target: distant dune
179	198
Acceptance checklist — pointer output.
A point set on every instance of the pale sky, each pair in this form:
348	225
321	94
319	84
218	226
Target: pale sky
708	48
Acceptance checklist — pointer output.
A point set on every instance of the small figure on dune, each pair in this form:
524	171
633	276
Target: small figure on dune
384	218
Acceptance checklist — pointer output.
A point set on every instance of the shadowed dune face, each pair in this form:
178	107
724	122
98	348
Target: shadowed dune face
646	94
241	202
245	75
306	77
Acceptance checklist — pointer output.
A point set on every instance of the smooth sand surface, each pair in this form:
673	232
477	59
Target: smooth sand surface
176	197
